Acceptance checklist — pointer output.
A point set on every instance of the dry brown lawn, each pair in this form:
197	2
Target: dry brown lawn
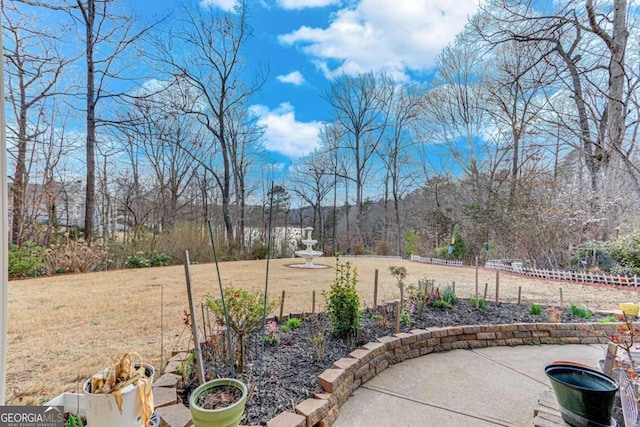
63	329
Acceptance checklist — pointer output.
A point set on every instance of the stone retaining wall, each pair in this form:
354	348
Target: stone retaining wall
362	364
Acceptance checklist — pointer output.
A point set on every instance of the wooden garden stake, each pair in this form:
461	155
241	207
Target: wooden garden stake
609	359
313	303
281	307
397	326
375	289
453	287
194	325
561	298
162	325
519	294
486	288
497	286
477	302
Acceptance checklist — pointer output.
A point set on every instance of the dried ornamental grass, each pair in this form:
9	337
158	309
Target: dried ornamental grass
115	378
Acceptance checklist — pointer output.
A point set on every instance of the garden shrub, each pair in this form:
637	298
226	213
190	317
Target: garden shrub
159	259
626	251
459	245
259	251
75	256
245	310
592	255
26	260
343	303
411	239
139	260
448	294
424	294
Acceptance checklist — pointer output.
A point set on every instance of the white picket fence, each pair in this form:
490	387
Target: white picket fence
574	276
370	256
438	261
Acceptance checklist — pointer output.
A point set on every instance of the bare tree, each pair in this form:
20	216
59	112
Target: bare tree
396	151
312	181
602	85
33	68
515	96
360	109
214	71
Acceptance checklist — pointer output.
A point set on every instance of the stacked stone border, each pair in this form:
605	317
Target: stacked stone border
349	373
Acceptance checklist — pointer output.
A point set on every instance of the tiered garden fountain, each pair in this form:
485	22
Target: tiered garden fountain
308	254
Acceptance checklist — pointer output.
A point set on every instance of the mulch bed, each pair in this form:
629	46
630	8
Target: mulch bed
291	367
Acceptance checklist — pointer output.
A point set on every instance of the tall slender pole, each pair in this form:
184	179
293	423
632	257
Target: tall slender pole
266	290
4	236
477	302
375	290
194	319
224	304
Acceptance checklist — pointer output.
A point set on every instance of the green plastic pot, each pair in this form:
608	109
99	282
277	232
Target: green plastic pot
223	417
586	396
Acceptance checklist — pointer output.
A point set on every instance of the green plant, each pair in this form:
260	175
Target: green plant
536	310
400	273
448	294
139	260
74	421
259	251
411	239
184	368
343	303
625	250
405	318
294	323
245	310
286	328
480	302
609	319
159	259
581	312
26	260
441	304
459	245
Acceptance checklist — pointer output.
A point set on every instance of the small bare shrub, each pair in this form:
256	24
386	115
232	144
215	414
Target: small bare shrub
555	315
75	256
318	336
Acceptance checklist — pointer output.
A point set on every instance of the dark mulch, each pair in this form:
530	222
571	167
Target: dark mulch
291	367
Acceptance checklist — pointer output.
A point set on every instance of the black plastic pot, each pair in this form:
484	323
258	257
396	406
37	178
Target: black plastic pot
586	396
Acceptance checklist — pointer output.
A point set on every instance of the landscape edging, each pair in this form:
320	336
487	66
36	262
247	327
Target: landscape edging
362	364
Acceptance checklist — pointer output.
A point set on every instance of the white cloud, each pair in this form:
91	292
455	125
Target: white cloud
226	5
283	133
302	4
382	35
294	77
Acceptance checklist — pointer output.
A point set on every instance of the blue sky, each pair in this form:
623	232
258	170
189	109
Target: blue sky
305	43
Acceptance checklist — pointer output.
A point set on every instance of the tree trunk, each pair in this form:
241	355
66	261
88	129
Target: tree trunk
21	178
90	193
